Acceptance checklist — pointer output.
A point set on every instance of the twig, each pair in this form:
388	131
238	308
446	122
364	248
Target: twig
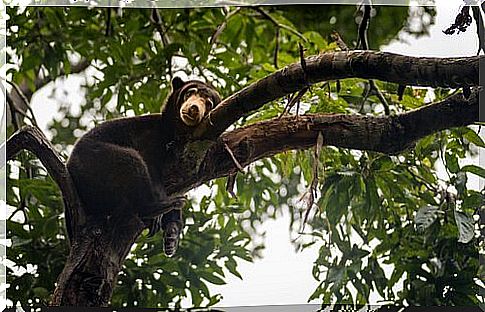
13	112
400	91
340	42
223	25
312	192
363	27
157	21
108	22
277	47
364	98
462	21
236	162
303	63
231	181
380	96
477	16
26	103
293	100
279	25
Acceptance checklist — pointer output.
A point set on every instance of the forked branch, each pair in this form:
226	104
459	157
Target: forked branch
32	139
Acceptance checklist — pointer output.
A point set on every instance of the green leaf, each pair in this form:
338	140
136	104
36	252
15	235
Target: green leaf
465	227
17	242
211	278
473	137
479	171
452	162
196	297
425	217
231	265
473	201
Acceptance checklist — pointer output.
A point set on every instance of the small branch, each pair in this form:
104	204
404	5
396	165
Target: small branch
157	22
340	42
363	27
364	97
380	96
231	181
312	192
238	165
13	111
277	24
462	21
293	100
303	62
477	16
277	47
108	22
222	26
25	102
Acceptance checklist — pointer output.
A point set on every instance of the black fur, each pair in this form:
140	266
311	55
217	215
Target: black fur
117	167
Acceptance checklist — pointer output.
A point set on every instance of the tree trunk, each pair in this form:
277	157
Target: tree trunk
96	257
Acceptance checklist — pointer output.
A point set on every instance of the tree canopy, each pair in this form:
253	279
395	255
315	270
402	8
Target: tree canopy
346	140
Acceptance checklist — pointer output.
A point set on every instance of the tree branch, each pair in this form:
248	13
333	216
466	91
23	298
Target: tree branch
277	24
390	135
22	94
39	82
32	139
400	69
222	26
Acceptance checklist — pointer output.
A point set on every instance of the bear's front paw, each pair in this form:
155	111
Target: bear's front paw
171	236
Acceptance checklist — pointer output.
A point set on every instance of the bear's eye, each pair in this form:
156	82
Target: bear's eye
190	92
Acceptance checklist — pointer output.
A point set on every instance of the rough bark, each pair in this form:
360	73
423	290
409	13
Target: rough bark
400	69
99	247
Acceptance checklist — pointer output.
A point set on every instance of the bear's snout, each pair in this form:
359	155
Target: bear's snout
193	110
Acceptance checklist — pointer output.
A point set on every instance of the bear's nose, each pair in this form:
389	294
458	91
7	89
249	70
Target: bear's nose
193	110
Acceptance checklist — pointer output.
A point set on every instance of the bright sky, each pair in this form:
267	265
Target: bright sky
283	276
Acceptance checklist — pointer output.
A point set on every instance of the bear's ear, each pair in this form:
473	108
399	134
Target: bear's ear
177	83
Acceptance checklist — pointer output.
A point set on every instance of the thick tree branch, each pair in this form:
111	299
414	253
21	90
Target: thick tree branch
32	139
400	69
390	135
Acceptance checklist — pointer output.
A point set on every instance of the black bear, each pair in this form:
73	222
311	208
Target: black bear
117	167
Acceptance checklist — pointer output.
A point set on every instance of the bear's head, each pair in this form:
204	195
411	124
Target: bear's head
191	101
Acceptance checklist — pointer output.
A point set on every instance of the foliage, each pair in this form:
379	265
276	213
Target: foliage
381	220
